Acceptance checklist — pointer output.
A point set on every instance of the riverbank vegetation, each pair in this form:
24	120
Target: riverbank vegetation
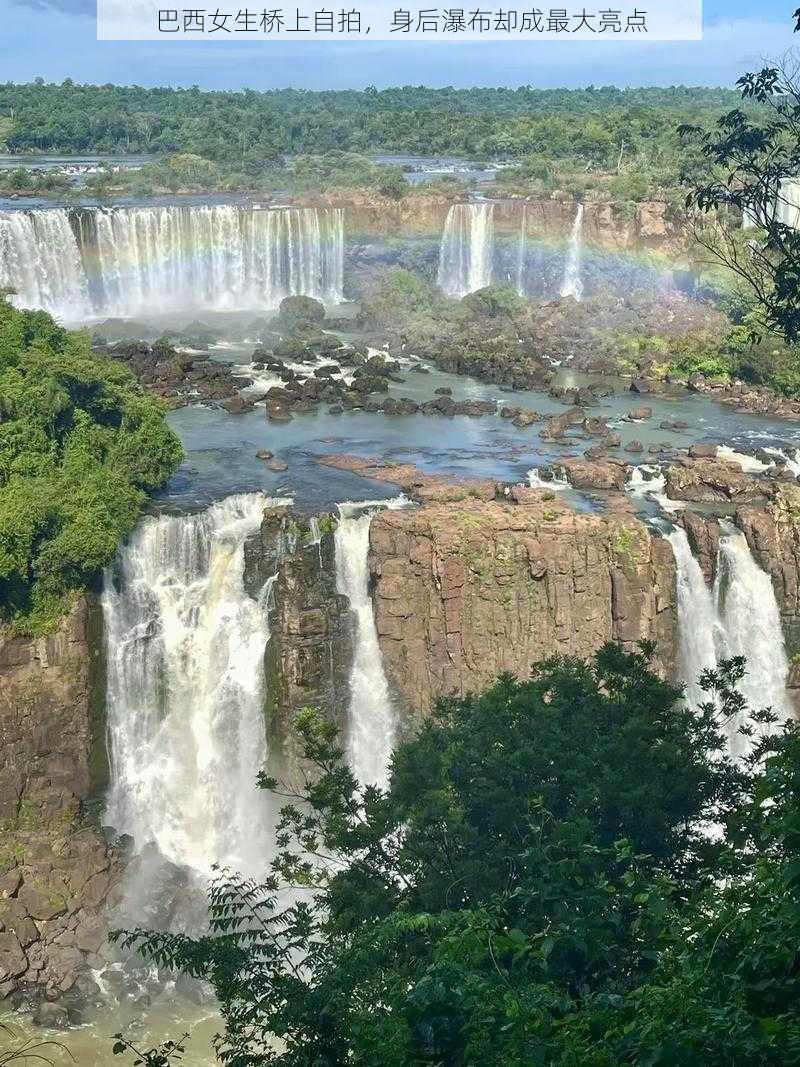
595	123
538	885
188	172
80	448
608	142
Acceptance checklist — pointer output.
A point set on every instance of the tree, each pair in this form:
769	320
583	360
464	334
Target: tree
537	886
752	164
80	448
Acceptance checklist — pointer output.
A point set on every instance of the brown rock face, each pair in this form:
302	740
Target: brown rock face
49	719
773	534
463	593
308	656
710	481
55	872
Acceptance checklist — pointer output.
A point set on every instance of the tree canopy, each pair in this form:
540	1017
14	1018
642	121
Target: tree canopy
594	123
80	448
752	166
567	870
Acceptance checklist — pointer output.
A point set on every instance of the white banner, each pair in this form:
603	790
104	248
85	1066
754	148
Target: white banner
390	20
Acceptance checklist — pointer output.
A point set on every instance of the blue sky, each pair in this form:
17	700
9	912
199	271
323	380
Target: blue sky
55	39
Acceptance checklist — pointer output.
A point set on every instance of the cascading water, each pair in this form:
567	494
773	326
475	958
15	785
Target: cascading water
522	251
697	618
465	252
557	480
185	646
573	285
41	261
738	617
372	725
750	626
131	261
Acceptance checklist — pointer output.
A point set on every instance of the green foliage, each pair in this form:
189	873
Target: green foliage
297	311
80	447
244	129
393	184
746	158
493	302
395	297
537	886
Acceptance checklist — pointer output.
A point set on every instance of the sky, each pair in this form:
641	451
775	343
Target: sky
55	39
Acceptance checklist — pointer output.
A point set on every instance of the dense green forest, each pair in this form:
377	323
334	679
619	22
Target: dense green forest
80	447
536	888
595	123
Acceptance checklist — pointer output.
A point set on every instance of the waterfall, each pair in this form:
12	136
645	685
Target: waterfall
185	647
573	286
648	482
40	260
750	626
465	252
372	725
790	457
697	617
749	464
522	251
738	617
557	480
140	260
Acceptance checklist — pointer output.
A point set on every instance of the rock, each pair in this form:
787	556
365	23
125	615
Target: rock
443	390
13	961
640	385
711	480
703	451
40	902
263	453
14	916
91	935
595	427
466	590
278	466
278	414
639	414
633	446
237	405
51	1016
10	883
335	409
582	474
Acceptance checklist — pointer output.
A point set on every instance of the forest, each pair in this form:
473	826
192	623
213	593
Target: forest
595	123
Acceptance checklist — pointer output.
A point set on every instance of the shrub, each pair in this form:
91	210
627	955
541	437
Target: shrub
80	448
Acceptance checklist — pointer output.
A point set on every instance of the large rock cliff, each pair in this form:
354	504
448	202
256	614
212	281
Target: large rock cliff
465	591
56	869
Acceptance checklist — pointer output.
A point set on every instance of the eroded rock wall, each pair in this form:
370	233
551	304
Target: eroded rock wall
56	869
465	591
308	656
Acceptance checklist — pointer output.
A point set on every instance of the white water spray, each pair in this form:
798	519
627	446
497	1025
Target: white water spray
372	725
558	481
697	618
185	646
738	617
750	626
522	251
573	285
41	261
465	252
134	261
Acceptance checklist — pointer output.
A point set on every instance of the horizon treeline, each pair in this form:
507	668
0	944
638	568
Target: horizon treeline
593	124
